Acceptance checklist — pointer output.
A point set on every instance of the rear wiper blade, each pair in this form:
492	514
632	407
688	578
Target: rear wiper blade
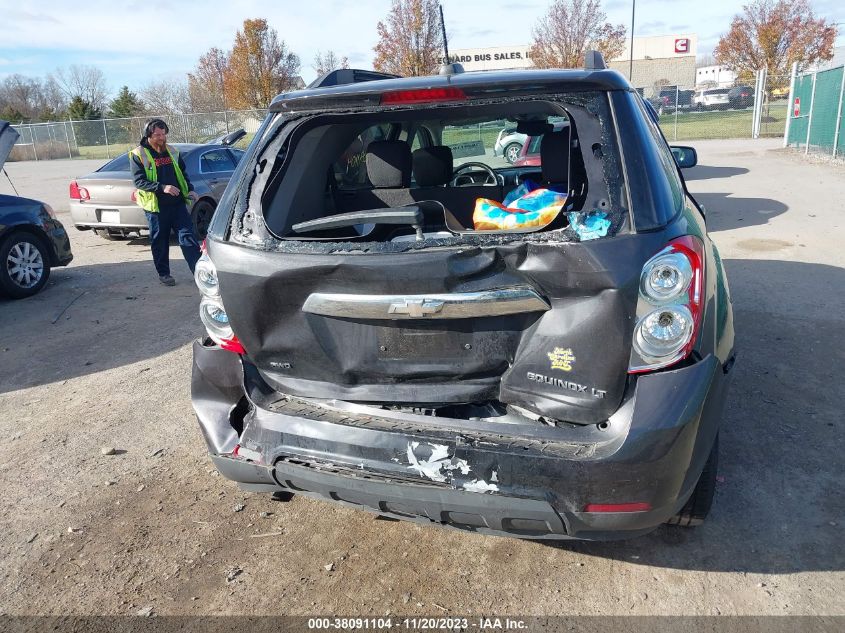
411	215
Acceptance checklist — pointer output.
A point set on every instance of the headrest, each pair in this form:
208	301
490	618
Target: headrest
554	156
432	165
389	164
534	128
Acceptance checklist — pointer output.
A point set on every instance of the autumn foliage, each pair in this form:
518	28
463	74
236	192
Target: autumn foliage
570	29
411	40
773	35
260	66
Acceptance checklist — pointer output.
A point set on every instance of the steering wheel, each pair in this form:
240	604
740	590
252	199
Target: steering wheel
459	180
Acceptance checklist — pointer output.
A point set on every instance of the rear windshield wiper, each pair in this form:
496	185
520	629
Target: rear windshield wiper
411	215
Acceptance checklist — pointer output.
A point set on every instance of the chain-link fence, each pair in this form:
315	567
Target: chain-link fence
743	109
107	138
816	121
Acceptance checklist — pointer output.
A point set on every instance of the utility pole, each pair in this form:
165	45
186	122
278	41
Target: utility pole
631	56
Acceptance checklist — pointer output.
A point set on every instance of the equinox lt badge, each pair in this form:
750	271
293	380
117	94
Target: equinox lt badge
416	308
566	384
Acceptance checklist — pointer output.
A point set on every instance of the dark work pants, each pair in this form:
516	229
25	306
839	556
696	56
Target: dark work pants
175	218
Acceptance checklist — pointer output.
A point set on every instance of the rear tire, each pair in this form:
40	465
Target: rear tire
201	215
698	505
24	265
511	152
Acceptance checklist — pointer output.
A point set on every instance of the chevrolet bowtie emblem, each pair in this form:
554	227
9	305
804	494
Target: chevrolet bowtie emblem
416	308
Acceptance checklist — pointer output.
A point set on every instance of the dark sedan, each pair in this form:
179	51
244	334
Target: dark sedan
32	240
104	201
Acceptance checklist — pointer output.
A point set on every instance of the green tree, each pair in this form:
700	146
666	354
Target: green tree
125	104
86	134
81	110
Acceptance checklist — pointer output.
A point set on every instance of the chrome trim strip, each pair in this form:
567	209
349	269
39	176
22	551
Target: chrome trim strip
457	305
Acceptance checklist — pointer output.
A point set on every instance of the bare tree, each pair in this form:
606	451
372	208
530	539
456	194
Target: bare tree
86	82
570	29
411	40
327	62
166	96
207	85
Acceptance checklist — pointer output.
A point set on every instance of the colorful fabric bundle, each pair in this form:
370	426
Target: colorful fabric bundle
528	206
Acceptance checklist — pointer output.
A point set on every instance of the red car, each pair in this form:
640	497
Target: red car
530	154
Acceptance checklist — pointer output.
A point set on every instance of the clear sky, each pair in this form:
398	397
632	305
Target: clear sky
135	42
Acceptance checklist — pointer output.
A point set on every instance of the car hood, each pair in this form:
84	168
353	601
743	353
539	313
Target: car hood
8	138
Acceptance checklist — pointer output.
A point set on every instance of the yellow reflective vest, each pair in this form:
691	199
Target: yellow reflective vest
148	200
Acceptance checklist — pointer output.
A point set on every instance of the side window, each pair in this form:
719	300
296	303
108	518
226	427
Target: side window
216	161
121	163
667	161
350	169
237	154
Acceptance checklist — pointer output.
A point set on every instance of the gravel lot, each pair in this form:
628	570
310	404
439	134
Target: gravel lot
153	526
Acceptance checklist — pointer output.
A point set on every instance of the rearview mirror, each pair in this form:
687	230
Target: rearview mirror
685	156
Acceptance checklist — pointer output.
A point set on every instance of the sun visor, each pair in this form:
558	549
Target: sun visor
8	138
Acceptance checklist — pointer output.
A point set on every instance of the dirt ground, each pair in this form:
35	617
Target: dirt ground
102	359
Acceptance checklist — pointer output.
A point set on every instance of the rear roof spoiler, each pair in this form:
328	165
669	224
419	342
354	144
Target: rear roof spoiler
343	76
593	60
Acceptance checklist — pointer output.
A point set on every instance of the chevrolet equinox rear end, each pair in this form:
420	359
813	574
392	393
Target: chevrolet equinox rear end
400	321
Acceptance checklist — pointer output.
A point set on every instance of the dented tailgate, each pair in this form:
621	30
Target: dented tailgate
544	326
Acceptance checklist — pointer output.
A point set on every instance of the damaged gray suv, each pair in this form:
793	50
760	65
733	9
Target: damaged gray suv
397	324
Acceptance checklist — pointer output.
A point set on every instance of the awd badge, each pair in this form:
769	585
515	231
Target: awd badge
562	358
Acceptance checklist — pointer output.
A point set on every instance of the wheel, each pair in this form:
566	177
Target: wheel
512	152
698	505
201	215
24	265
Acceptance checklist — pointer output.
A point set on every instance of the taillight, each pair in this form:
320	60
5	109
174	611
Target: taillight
212	311
618	507
423	95
77	192
669	309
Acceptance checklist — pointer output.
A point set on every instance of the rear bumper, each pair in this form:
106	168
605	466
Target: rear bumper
60	241
531	482
87	215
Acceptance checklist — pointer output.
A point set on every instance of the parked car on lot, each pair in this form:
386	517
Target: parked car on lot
436	340
711	99
670	99
741	97
104	201
530	154
509	144
32	240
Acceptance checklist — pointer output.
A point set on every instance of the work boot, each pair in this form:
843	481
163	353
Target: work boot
167	280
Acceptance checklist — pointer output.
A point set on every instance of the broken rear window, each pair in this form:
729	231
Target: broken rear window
417	174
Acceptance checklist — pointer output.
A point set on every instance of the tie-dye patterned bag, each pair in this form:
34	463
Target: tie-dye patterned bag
526	207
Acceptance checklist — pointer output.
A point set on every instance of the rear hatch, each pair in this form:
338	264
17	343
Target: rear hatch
538	319
387	328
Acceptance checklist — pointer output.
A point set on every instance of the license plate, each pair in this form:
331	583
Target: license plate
110	216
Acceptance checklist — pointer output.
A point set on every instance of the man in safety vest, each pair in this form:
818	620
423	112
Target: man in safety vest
163	192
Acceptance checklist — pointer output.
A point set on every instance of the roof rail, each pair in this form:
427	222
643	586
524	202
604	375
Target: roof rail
343	76
593	60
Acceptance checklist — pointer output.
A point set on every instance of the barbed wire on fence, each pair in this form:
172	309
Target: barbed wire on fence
107	138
